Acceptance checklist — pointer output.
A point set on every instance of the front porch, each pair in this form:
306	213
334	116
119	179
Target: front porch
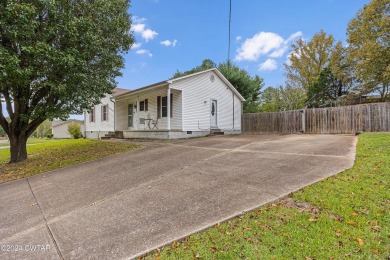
155	110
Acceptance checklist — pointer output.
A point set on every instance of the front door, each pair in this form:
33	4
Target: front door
130	115
214	110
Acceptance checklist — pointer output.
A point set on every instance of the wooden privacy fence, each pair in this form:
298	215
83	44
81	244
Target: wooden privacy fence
332	120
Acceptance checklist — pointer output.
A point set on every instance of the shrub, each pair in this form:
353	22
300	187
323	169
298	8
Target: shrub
49	136
74	130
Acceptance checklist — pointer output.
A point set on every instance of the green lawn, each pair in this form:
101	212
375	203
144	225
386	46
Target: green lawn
342	217
31	141
46	155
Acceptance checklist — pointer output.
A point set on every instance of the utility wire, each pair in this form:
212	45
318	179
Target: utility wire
230	20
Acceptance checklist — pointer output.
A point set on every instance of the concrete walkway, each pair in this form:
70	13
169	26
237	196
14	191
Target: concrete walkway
125	205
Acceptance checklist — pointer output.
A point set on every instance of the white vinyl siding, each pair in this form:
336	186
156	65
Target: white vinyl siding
99	124
197	93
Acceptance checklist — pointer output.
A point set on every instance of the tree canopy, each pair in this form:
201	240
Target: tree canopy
308	59
248	86
56	58
369	46
282	99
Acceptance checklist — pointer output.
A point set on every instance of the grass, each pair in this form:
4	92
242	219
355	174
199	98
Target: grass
31	141
342	217
47	155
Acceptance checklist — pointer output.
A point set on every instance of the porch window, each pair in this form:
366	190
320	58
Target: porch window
143	105
162	107
92	115
104	113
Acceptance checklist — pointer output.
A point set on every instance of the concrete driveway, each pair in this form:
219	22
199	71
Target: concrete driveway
125	205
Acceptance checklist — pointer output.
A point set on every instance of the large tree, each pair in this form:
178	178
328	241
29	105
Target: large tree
57	57
248	86
369	46
282	98
308	59
325	91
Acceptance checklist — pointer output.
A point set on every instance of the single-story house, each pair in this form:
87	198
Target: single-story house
101	120
193	105
59	128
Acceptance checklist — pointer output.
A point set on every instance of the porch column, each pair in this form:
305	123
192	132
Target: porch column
137	113
169	109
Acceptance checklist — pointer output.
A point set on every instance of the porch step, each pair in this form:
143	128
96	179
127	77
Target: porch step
108	136
216	131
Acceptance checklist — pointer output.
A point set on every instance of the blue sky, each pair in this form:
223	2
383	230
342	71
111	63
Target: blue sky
177	34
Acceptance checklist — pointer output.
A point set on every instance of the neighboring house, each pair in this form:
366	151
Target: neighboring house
59	128
101	120
189	106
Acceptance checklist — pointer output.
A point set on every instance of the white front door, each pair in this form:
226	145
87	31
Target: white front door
214	122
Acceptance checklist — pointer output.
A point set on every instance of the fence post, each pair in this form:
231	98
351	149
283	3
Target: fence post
303	111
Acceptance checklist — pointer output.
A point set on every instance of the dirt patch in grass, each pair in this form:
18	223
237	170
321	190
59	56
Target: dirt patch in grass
56	154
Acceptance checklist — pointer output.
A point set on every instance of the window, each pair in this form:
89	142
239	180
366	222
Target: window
143	105
104	113
92	115
162	108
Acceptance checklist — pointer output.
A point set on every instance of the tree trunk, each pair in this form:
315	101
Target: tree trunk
18	148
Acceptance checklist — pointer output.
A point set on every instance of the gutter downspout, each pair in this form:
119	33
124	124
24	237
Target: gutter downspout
233	110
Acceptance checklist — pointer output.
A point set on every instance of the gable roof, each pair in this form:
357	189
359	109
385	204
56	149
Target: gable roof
170	81
219	74
56	123
119	91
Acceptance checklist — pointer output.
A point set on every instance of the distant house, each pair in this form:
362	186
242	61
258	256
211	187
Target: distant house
101	120
189	106
59	128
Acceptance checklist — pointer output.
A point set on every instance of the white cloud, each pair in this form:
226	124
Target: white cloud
265	44
136	19
143	51
260	44
268	65
136	46
238	38
148	34
294	36
168	43
139	27
279	52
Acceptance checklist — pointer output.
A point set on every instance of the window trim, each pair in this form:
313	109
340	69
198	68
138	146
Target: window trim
92	117
104	113
160	106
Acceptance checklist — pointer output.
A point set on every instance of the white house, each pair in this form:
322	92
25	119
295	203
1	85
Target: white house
101	120
189	106
59	128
